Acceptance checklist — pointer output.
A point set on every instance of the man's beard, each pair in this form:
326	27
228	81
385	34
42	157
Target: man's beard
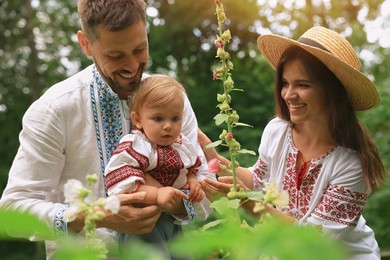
123	92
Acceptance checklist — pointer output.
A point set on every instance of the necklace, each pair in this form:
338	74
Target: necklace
302	170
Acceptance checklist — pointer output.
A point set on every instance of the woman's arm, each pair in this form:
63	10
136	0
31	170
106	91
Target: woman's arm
217	189
211	153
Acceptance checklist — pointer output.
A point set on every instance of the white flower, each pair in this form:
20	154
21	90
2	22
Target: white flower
71	213
274	196
112	204
282	199
72	191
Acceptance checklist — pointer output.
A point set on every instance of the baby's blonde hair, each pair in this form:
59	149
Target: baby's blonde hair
157	89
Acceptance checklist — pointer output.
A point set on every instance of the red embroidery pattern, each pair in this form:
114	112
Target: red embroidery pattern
194	168
120	174
341	205
128	147
259	169
307	187
168	166
299	199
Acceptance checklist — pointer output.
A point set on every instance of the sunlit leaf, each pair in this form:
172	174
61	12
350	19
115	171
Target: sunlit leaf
255	195
242	124
223	205
221	118
14	224
245	151
213	224
213	144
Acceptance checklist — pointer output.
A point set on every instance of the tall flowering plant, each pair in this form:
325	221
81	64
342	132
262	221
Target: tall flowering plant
271	193
227	114
82	201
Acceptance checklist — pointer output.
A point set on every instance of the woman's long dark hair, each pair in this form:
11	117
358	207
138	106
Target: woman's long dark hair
344	126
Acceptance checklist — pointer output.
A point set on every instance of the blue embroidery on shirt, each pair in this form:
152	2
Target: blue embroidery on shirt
60	226
111	120
189	207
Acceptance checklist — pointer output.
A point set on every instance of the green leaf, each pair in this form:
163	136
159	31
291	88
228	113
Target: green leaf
221	118
213	144
242	124
255	195
213	224
15	224
223	205
246	151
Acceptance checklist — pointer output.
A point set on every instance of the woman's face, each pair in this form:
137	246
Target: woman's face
304	98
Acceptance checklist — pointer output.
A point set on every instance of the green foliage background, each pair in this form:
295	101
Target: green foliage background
38	48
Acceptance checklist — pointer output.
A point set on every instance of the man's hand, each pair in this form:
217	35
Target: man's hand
130	219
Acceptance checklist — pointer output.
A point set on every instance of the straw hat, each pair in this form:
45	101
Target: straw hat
335	52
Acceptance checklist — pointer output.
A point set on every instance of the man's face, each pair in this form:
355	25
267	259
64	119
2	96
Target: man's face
120	57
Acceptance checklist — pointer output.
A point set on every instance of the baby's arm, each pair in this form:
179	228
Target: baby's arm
165	197
149	180
196	191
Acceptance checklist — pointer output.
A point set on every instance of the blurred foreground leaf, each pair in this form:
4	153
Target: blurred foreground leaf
267	239
15	224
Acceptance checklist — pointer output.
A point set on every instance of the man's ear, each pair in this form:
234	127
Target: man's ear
136	120
84	43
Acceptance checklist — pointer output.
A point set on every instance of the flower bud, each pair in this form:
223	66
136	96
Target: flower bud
234	145
226	56
92	178
224	107
226	36
234	117
220	13
229	65
219	43
217	72
229	136
221	98
223	168
222	136
229	83
221	53
99	215
83	193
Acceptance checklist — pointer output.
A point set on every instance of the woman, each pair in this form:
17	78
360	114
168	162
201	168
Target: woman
315	148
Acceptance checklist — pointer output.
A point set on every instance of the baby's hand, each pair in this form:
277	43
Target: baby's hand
168	196
196	191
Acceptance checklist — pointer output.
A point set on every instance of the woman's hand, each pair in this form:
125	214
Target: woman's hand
216	189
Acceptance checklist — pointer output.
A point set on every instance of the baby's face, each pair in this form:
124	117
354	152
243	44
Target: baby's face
162	123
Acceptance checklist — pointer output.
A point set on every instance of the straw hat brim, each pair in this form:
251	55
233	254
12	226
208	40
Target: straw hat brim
361	91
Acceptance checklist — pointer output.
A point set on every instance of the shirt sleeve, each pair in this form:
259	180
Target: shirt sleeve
127	164
38	164
342	202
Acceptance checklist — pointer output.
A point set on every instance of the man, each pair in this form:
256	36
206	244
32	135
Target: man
72	130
